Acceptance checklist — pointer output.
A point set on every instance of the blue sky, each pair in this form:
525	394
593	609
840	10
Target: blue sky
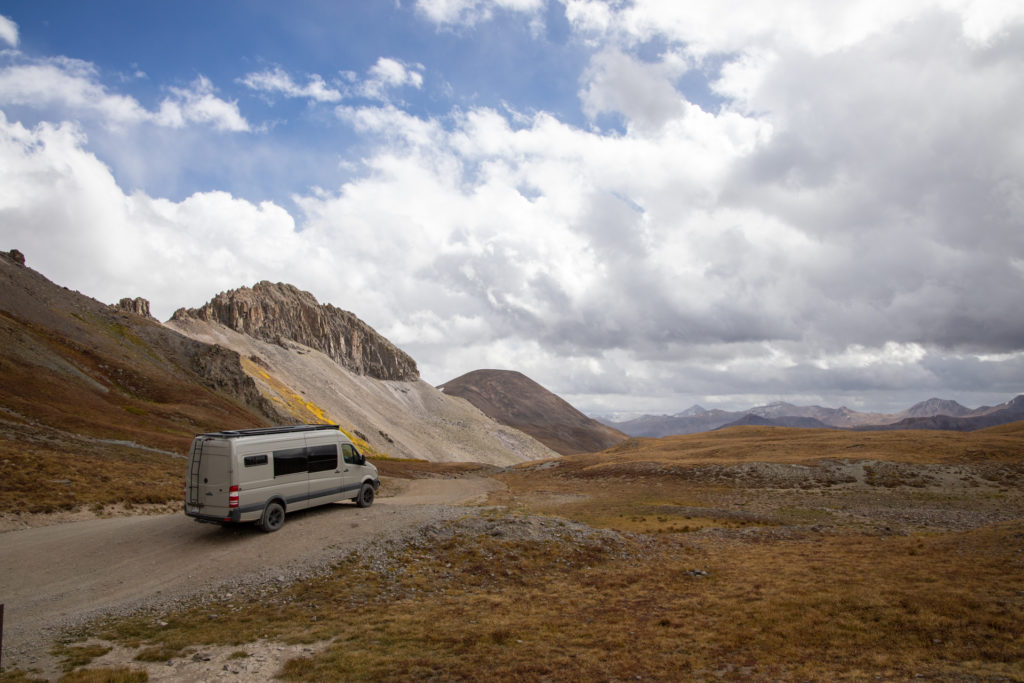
641	204
144	48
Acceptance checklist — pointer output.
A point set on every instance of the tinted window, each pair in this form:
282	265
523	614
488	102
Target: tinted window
350	453
323	458
254	460
289	461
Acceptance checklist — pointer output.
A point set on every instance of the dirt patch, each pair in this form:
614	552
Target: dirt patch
259	661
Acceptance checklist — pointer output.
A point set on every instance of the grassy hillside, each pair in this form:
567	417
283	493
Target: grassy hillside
748	554
97	403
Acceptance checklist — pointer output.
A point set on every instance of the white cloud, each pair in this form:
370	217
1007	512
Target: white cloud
470	12
388	73
8	31
72	87
705	27
198	104
174	253
68	84
277	80
644	93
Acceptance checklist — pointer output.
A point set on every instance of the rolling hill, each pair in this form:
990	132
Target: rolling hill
515	400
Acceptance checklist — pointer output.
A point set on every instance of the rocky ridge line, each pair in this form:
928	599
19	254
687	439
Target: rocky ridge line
276	312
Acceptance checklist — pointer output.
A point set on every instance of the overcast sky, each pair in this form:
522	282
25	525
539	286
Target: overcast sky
641	205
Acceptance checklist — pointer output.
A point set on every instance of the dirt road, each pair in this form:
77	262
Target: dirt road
55	576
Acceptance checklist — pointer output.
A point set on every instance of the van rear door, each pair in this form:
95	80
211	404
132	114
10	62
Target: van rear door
210	477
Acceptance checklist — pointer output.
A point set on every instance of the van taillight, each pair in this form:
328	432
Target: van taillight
233	497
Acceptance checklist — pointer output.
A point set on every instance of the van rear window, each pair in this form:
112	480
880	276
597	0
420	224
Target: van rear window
254	460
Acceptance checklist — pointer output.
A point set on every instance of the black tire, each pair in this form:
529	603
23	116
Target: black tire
365	497
273	517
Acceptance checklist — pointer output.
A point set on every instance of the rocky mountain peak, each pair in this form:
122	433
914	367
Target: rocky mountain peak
695	409
937	406
274	312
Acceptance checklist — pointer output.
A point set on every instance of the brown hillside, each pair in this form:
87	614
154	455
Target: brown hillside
514	399
79	377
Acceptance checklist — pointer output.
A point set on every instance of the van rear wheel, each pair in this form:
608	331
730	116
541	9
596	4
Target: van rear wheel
365	497
273	518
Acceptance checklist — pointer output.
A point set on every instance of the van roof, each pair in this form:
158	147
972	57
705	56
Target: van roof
262	431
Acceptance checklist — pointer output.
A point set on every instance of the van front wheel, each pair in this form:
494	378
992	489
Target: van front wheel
365	497
273	518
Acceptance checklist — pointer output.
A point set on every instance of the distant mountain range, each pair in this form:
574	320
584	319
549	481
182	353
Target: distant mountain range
935	413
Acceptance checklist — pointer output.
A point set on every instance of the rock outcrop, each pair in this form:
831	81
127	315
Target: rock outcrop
278	312
138	306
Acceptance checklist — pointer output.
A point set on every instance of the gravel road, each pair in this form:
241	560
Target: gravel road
57	576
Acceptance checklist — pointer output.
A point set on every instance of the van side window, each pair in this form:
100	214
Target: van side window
350	453
323	458
254	460
289	461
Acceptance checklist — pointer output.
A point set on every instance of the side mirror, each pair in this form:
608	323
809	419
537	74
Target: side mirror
362	459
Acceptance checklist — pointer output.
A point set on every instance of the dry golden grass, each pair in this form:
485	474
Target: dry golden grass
48	476
715	580
480	607
783	445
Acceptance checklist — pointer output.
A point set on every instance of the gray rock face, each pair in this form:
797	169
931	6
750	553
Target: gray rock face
138	306
276	312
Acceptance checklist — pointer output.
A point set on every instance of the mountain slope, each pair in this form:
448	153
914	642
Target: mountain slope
98	404
515	400
73	363
405	418
752	420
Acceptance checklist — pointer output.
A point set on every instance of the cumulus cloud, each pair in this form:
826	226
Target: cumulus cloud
277	80
643	93
8	31
69	84
473	11
843	226
387	74
198	104
72	87
175	253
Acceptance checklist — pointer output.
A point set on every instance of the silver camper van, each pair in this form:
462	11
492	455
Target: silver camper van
259	475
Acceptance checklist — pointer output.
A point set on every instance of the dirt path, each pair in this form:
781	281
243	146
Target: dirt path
55	576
